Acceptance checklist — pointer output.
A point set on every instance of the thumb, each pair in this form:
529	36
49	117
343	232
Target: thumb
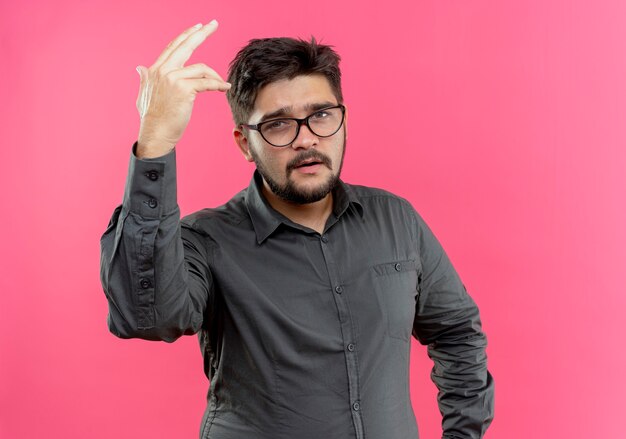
144	96
141	70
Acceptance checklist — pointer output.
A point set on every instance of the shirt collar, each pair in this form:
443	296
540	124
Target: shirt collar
265	219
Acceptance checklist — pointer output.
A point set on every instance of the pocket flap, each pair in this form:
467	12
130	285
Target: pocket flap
395	267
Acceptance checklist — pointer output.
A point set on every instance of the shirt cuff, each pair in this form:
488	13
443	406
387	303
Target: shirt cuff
151	185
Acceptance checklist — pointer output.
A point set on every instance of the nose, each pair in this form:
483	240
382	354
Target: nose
305	138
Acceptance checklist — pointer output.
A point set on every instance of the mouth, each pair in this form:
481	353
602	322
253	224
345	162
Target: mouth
309	167
308	163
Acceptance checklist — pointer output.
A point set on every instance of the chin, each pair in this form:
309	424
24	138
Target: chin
308	193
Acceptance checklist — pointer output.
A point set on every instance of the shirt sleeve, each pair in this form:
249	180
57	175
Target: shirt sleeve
448	322
157	282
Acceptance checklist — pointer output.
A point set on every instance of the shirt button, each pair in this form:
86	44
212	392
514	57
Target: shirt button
398	267
356	406
351	347
338	289
145	283
152	203
152	175
324	239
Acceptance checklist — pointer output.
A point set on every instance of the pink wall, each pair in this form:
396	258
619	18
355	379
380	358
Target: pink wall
505	125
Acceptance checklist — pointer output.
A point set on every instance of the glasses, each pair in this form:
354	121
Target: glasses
282	132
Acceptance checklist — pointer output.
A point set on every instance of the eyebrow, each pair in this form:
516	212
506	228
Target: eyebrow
287	111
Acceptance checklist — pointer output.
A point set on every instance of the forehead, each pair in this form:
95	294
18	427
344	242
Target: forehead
296	93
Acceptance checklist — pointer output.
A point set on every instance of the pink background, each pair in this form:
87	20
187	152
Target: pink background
503	122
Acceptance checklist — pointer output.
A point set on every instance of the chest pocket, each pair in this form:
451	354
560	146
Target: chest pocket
396	284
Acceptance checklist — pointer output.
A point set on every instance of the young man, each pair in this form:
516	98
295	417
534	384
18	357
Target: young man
304	290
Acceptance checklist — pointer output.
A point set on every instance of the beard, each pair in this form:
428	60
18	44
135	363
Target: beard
289	191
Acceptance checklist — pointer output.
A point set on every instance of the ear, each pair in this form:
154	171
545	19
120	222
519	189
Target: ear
242	142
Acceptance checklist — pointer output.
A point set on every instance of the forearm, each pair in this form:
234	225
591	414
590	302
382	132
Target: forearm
144	271
466	388
448	321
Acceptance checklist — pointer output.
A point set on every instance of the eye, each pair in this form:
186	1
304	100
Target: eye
320	115
275	124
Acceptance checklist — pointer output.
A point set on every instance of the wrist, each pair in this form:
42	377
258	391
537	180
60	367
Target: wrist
151	145
147	149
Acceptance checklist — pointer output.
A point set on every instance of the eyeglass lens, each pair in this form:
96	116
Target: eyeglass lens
282	132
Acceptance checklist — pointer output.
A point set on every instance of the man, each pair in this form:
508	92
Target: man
304	290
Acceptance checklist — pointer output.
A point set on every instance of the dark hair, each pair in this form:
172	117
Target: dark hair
263	61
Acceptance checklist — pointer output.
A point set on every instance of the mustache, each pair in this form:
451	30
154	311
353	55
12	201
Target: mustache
310	154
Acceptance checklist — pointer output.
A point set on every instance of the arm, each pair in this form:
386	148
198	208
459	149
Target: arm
154	273
157	282
448	322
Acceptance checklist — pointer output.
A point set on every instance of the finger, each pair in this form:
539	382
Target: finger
207	84
175	43
183	52
193	71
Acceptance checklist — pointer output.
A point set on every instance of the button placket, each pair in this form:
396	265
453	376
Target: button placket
347	333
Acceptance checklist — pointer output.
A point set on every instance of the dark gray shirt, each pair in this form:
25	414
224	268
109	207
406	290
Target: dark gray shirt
304	335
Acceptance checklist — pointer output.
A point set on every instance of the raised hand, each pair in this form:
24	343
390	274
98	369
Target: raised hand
168	90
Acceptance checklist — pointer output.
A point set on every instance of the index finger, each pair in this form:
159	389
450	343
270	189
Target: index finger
182	53
175	43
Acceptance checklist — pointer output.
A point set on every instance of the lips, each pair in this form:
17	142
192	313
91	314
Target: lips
311	160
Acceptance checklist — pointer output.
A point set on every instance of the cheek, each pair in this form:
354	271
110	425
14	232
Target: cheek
275	161
274	164
266	158
339	150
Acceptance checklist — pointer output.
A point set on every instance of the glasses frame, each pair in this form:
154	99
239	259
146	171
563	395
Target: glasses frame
300	122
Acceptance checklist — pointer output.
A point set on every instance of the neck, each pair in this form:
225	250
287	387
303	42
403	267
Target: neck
312	215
